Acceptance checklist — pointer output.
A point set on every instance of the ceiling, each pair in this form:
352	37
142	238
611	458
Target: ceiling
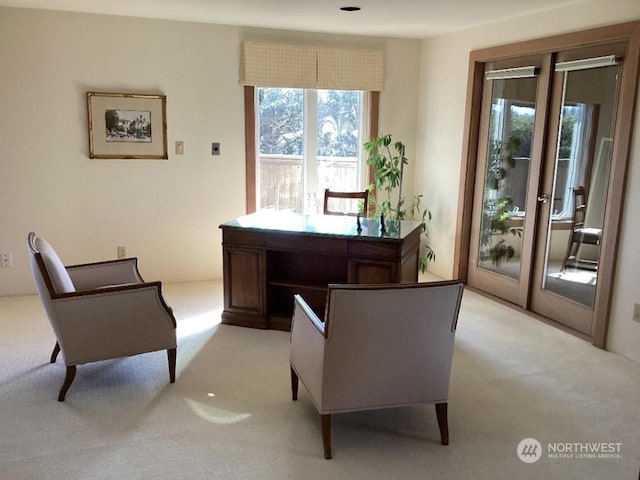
387	18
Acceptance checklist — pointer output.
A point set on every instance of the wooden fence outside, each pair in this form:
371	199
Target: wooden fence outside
281	180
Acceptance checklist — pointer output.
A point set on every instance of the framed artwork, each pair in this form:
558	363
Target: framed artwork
127	125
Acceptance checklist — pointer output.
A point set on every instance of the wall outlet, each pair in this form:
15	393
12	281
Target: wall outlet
215	148
5	260
122	252
636	312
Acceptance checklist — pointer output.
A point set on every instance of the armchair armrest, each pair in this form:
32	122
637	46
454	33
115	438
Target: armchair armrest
89	276
120	288
308	313
307	347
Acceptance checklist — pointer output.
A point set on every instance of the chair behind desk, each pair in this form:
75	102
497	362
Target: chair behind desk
361	196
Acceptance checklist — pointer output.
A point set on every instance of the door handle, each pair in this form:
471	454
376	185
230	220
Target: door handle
544	198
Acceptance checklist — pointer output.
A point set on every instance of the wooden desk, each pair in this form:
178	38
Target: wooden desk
270	256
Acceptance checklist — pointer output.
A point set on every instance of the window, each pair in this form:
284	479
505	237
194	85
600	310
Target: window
339	105
307	140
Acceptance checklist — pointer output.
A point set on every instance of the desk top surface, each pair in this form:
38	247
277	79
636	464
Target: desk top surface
323	225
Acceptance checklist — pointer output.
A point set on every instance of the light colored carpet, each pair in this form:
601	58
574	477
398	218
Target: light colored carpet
230	415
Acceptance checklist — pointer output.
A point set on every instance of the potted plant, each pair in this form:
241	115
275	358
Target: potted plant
387	158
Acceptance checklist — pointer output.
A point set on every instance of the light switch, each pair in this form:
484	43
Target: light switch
215	148
179	147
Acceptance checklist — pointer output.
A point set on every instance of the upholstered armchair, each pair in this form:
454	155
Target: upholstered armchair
379	346
100	311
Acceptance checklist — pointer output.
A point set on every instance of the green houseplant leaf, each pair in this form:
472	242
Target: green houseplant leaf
387	159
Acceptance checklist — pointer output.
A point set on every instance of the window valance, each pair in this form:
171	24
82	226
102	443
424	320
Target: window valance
277	65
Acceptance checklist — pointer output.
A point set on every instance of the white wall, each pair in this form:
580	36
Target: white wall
443	81
165	212
399	113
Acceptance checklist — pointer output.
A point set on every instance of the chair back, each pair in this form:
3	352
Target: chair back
396	340
344	199
579	207
49	275
49	266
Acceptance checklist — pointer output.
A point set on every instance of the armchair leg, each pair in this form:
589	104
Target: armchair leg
294	384
171	356
326	435
68	380
441	413
54	354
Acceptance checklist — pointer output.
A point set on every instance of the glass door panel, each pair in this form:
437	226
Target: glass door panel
509	148
581	176
575	196
508	166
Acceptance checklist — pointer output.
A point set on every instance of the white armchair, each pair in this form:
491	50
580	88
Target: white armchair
380	346
100	311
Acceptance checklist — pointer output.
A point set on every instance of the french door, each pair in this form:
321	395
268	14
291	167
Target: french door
508	168
552	147
582	130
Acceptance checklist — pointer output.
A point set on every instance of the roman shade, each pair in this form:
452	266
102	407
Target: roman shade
291	66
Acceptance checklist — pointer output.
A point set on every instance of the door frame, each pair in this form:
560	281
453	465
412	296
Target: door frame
622	33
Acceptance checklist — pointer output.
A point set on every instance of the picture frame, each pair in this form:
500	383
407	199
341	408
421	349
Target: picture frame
127	126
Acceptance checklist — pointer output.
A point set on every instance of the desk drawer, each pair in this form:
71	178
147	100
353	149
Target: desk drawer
374	249
278	241
241	237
